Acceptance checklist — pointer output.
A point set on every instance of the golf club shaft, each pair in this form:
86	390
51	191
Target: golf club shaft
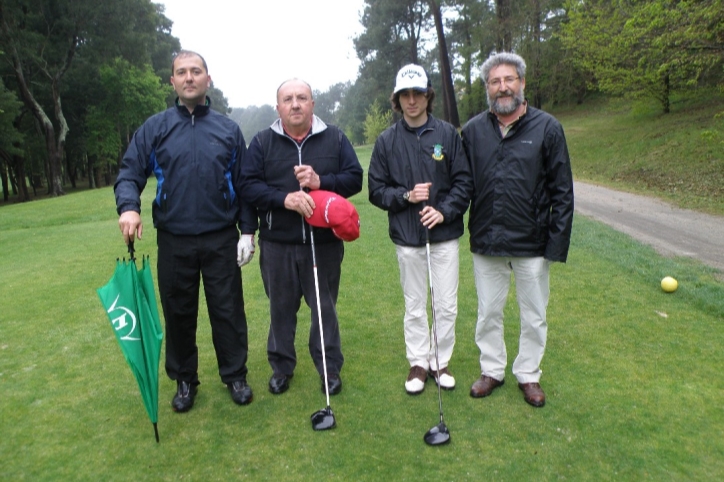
319	313
434	318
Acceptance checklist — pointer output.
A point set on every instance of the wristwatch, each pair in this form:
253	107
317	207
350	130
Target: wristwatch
406	196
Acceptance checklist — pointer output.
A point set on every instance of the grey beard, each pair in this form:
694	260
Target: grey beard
517	101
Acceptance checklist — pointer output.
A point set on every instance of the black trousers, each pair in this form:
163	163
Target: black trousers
287	273
182	261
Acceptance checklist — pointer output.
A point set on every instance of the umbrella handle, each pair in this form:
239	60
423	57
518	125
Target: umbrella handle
131	251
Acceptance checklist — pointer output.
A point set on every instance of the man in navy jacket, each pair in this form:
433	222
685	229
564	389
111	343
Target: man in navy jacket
196	155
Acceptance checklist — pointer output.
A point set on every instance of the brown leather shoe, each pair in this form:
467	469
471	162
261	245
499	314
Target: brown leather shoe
484	386
533	394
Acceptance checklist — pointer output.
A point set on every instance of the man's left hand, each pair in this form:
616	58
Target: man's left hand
245	249
431	217
307	177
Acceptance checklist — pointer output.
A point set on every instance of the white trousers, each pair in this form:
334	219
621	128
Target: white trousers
413	278
492	281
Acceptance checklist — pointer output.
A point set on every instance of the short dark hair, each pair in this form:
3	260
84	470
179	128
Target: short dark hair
395	100
188	53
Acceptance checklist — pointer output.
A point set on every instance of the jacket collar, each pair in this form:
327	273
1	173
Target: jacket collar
428	125
199	110
318	126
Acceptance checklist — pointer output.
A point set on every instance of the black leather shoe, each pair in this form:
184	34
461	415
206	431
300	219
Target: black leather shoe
335	384
279	383
184	398
240	392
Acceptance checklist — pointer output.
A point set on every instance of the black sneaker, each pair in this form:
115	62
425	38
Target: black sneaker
240	392
184	398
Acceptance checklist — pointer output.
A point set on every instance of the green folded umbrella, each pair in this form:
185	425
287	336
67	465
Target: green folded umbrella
130	302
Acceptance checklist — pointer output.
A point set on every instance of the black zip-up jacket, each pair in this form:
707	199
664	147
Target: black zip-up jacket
401	159
522	203
196	159
268	176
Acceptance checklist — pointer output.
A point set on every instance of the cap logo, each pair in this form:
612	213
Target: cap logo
411	73
326	208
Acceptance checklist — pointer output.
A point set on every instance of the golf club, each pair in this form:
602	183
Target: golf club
439	434
321	419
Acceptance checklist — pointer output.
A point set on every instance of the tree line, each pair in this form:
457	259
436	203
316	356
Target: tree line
79	76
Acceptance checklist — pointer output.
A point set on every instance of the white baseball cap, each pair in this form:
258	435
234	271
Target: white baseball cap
411	76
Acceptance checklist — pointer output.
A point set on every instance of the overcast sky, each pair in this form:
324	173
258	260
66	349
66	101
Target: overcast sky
252	46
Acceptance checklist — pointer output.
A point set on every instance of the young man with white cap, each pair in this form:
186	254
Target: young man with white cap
419	174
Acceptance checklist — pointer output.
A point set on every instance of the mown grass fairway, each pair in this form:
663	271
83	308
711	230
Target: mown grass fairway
632	374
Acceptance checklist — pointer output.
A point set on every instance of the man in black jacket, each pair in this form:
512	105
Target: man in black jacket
196	155
419	174
298	153
520	220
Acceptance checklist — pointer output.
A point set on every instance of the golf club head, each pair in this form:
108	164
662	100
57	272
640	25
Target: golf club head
323	419
437	435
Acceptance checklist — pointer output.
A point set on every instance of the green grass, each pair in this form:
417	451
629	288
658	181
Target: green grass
632	146
631	373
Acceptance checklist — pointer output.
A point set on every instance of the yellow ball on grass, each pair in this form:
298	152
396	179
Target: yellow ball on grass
669	284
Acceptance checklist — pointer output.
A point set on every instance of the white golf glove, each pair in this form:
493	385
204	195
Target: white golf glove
245	249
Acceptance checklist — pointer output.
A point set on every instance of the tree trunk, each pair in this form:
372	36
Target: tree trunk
504	42
19	164
56	156
448	89
71	171
667	94
536	20
91	172
4	177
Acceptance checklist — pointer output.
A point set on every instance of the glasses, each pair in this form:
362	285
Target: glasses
502	80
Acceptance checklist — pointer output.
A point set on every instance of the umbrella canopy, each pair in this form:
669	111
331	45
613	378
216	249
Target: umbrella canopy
130	302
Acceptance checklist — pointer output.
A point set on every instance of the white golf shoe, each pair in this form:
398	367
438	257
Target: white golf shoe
446	380
415	383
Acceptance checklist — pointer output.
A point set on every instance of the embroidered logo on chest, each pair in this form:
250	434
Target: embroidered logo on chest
437	152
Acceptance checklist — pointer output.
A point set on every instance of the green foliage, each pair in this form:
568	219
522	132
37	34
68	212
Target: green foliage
104	141
376	121
130	95
647	48
474	102
10	137
59	47
327	104
219	103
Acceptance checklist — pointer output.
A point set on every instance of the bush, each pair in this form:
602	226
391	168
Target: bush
376	122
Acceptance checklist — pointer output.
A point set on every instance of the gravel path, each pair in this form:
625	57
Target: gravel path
669	230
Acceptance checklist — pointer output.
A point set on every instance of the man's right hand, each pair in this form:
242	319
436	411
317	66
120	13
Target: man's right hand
300	202
131	225
420	193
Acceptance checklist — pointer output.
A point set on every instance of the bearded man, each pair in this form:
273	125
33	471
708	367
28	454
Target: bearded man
520	221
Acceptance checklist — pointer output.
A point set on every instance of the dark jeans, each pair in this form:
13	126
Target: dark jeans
288	274
182	261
